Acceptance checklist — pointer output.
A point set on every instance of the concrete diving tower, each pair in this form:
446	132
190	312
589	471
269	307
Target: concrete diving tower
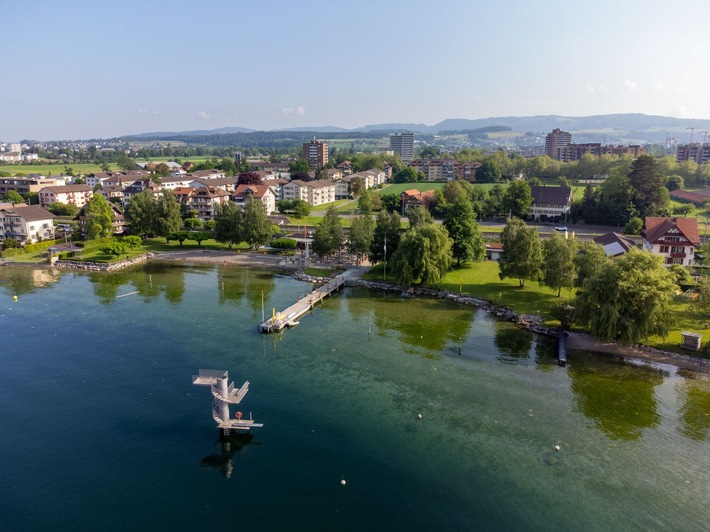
225	394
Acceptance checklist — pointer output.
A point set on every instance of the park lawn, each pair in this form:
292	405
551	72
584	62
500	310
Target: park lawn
684	317
54	169
481	279
398	188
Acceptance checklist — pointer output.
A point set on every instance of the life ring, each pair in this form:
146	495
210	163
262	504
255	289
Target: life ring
238	415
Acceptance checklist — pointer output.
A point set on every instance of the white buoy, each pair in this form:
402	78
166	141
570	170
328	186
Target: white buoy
419	416
557	447
342	482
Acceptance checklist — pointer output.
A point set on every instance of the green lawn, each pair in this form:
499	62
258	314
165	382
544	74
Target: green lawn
53	169
398	188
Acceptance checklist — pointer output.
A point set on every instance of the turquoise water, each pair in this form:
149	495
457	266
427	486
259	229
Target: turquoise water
101	427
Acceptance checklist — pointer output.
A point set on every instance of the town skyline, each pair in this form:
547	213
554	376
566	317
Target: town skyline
116	70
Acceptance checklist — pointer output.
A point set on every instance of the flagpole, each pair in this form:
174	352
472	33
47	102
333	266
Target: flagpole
384	274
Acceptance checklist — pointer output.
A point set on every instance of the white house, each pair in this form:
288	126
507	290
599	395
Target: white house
26	224
674	239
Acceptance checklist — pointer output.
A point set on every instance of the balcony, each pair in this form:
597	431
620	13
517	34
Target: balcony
678	255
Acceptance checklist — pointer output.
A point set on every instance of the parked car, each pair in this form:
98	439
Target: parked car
561	228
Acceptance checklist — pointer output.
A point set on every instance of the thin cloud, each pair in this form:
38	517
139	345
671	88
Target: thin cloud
630	85
300	110
204	115
596	88
142	111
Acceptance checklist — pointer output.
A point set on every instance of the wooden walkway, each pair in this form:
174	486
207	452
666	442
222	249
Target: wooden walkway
290	316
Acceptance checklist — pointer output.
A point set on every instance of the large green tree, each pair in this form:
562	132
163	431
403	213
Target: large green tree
558	267
387	230
328	238
140	213
517	199
467	239
256	226
12	196
418	216
362	231
647	184
99	217
228	224
628	300
521	257
423	255
590	259
167	217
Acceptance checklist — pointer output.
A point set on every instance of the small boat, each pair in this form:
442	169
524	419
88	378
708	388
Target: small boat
291	324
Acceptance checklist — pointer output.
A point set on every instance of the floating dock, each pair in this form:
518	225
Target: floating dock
289	317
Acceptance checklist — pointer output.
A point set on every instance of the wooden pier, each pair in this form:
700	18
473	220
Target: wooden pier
562	349
290	316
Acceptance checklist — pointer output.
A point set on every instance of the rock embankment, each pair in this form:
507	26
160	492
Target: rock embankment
102	266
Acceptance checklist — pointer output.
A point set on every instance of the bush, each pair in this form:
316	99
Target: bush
284	244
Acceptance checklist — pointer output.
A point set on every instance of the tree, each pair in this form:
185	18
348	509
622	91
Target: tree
419	216
114	248
99	218
180	236
300	208
357	186
167	214
132	241
590	258
558	268
681	275
228	220
62	209
391	202
362	232
249	178
517	199
614	200
647	182
489	172
455	190
628	299
521	257
633	226
140	212
423	255
465	234
284	244
193	223
408	175
200	236
328	237
387	230
12	196
161	170
299	165
256	226
702	302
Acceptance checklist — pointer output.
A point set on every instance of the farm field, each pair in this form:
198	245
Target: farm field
53	169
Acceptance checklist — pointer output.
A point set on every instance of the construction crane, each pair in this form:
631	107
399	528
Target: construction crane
705	136
692	129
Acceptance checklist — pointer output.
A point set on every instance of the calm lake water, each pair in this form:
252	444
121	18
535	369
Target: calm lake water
100	426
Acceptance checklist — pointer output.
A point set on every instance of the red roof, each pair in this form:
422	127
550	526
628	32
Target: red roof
657	227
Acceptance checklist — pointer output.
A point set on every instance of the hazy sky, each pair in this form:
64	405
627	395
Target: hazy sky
75	69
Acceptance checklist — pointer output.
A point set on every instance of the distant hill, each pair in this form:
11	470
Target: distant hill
621	128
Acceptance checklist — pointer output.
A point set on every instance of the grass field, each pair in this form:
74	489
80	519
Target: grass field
53	169
481	280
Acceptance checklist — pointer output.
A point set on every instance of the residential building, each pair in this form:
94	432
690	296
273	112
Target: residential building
261	193
139	186
26	224
316	153
403	143
205	199
413	197
550	202
295	189
445	169
115	178
228	184
76	195
615	244
674	239
312	192
555	141
119	220
700	153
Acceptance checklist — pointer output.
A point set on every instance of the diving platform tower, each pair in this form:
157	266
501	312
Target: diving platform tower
225	394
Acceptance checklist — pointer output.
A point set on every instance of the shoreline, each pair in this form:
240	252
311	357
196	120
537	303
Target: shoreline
576	341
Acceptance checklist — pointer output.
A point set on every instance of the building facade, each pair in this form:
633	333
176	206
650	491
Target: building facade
674	239
26	224
550	202
403	143
555	141
316	153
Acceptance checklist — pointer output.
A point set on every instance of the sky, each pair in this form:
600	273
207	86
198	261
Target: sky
78	70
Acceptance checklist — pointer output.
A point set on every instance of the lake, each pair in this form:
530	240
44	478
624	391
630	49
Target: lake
102	428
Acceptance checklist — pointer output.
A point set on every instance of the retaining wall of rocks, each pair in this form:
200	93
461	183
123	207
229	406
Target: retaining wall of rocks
102	266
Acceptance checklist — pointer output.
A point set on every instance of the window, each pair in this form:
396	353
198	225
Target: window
664	249
677	249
